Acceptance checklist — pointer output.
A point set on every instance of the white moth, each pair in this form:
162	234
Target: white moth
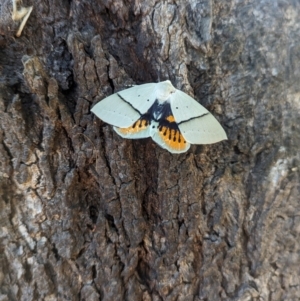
173	119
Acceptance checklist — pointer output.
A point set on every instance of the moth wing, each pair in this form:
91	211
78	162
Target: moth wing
140	97
161	137
139	129
115	111
145	133
197	125
124	108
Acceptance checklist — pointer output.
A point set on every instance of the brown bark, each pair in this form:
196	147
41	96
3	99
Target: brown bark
87	215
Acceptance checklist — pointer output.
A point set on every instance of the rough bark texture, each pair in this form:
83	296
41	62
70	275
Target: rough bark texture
87	215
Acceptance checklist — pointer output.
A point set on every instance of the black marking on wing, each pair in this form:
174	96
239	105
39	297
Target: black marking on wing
169	124
129	104
145	118
159	111
162	113
192	118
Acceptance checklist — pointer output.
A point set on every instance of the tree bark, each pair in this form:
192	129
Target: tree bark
87	215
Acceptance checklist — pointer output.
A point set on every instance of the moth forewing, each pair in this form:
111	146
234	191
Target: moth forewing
115	111
197	124
202	130
184	107
141	97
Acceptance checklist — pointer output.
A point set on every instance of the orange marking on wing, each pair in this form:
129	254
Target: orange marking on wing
171	118
172	138
138	126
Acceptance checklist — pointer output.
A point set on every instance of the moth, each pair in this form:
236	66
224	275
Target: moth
173	119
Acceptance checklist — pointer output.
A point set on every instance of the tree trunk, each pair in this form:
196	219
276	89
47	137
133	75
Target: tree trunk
87	215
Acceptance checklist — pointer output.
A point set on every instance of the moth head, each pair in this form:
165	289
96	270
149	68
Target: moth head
164	90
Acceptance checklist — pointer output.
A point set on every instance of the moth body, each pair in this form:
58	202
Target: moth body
163	91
